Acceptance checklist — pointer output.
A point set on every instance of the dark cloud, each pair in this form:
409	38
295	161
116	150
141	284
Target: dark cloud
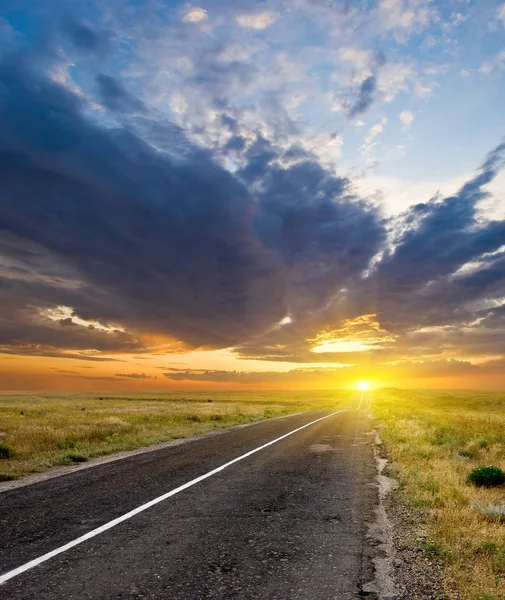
87	39
337	376
365	97
417	281
97	378
219	376
162	245
114	96
21	350
135	376
26	324
67	322
367	90
236	142
326	236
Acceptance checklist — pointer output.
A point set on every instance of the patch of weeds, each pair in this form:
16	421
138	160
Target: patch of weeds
449	555
470	453
432	548
458	496
483	444
421	502
486	597
269	412
486	476
424	453
430	485
6	451
193	418
75	457
216	417
401	480
443	436
8	476
487	548
499	564
67	444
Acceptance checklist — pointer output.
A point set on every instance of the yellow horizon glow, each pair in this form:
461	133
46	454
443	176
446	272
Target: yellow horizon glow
363	386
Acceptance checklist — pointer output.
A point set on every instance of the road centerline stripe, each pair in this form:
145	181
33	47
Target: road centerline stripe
93	533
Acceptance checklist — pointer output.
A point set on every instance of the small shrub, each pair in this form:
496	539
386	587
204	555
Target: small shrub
216	417
75	457
194	418
6	451
486	476
8	477
491	511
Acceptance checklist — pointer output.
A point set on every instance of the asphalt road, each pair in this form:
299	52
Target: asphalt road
288	522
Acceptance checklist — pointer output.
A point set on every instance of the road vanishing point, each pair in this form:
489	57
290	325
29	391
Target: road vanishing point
277	510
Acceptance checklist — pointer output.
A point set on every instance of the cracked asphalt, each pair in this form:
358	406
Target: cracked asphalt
288	522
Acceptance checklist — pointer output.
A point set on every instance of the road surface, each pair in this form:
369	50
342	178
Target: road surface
286	522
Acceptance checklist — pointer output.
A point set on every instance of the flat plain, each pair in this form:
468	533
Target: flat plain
39	431
433	439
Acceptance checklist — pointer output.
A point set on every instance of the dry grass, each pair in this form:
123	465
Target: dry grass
434	439
40	431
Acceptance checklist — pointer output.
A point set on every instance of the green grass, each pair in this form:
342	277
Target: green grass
434	440
41	431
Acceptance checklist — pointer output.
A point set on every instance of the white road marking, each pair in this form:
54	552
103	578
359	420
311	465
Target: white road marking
91	534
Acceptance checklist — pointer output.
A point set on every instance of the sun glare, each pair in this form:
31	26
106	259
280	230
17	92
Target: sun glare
363	385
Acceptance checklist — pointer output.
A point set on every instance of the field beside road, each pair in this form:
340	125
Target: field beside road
434	439
41	431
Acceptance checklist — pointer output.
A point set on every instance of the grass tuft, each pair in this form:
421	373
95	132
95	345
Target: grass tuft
6	451
432	548
75	457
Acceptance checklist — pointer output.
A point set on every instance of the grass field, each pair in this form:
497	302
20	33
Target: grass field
40	431
434	439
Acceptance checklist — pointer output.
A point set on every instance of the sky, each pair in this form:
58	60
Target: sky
288	194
